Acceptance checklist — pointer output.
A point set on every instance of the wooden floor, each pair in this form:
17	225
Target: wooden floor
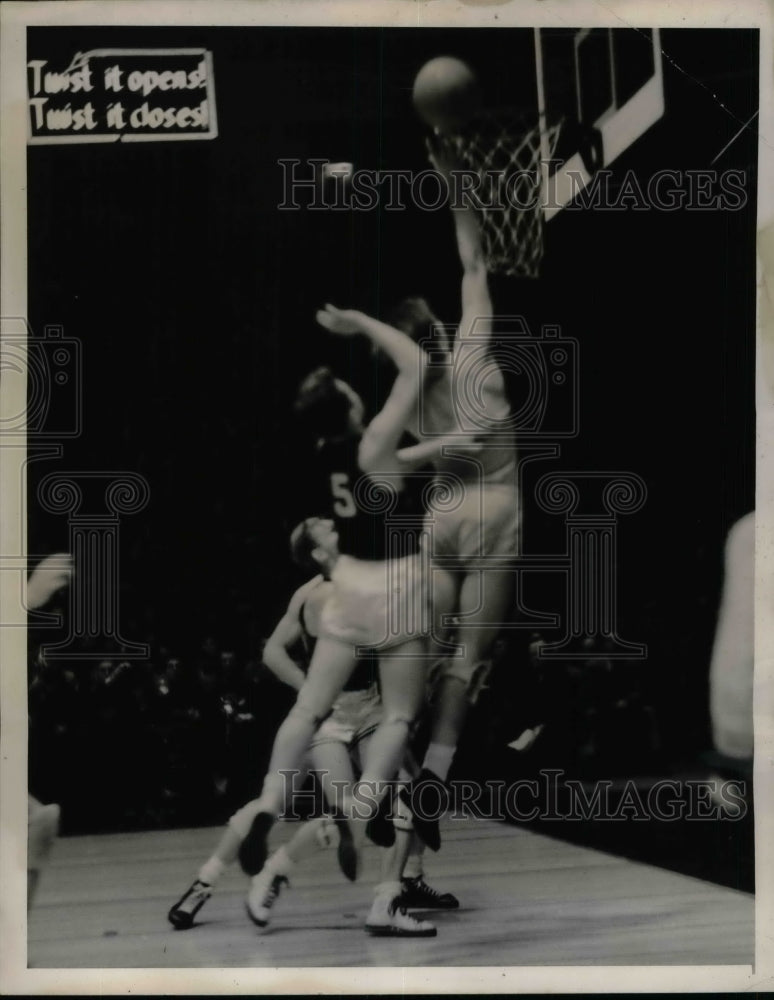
526	899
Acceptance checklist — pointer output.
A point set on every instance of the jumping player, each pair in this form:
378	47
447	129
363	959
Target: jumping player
337	750
376	602
472	539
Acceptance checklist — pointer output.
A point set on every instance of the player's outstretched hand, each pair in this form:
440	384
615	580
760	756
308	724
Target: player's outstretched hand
50	575
342	321
442	158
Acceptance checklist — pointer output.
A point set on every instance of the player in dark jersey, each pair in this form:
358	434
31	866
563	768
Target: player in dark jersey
377	602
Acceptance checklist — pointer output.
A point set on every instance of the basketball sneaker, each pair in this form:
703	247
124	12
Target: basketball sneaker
263	893
416	894
182	914
388	918
252	850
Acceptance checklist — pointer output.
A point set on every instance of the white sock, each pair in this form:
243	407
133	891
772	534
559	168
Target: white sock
211	870
413	867
279	863
388	890
438	759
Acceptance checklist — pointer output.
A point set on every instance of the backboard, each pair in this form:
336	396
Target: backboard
606	87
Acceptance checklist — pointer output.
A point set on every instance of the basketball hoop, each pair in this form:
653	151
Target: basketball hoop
509	154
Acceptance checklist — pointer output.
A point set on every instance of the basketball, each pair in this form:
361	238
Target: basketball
446	94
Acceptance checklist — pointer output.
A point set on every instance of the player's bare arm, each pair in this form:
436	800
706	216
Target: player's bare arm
378	447
379	444
417	455
286	633
476	300
402	351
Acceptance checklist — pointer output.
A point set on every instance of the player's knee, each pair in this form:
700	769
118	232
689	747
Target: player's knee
398	718
307	713
473	677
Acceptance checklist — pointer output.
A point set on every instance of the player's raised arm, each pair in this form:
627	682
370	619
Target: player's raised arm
403	352
286	633
378	446
476	300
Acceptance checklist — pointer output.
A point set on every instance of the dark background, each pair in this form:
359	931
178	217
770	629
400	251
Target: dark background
194	301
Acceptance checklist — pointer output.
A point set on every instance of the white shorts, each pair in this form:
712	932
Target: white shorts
484	522
377	604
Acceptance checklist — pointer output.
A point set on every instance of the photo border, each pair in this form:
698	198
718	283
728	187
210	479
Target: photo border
15	17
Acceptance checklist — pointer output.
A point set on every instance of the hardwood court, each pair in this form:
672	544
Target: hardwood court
526	899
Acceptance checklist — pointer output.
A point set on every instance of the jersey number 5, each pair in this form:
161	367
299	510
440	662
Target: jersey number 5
343	504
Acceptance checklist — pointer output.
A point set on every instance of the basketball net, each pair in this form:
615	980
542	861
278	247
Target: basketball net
510	157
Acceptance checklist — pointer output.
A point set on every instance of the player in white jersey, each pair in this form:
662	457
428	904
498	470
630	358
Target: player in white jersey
476	534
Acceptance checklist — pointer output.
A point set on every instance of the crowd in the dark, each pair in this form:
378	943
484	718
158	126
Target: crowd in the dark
184	740
133	744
